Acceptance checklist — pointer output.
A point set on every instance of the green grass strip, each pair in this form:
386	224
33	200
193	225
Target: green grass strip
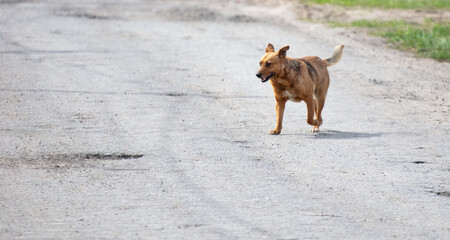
428	40
387	4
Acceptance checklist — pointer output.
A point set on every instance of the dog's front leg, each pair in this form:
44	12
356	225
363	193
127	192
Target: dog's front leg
281	103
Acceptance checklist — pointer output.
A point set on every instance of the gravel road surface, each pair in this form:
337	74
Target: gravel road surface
142	119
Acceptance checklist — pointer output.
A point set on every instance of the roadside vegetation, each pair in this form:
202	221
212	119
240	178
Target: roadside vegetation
387	4
428	39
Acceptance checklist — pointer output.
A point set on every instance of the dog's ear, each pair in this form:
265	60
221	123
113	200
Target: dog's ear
270	48
282	51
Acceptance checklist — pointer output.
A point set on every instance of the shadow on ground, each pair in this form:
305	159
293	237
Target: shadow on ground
334	134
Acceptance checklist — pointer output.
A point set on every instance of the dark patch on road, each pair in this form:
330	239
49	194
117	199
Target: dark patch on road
85	160
377	81
411	96
193	13
90	16
190	226
241	18
114	156
200	13
419	162
83	14
256	159
168	94
92	156
444	193
128	169
174	94
65	161
240	141
14	1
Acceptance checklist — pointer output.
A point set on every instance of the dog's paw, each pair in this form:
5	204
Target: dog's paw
315	129
275	132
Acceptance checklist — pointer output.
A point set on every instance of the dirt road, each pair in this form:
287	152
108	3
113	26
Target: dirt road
144	120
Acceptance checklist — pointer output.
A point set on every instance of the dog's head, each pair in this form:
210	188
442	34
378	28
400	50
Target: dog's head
271	63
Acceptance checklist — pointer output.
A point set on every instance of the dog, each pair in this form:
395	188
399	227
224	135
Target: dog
297	79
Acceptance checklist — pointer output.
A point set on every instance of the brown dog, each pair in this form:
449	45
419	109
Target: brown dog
297	79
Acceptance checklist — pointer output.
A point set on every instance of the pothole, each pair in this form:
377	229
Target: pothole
84	160
93	156
70	160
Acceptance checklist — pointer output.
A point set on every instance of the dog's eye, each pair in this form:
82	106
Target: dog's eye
268	64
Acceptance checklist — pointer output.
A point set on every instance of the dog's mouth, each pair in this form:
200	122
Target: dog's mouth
268	77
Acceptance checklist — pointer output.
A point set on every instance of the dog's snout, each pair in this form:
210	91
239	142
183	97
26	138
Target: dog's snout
259	75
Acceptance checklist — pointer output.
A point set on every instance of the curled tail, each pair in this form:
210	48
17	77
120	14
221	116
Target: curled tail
337	54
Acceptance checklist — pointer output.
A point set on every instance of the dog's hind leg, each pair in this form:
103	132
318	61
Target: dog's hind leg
320	102
320	94
311	105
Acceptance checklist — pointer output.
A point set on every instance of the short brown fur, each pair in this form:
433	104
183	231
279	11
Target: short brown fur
297	79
